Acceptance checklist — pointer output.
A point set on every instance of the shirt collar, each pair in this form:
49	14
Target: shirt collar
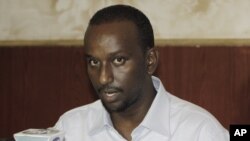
157	118
102	120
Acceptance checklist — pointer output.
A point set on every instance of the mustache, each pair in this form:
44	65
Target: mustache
109	88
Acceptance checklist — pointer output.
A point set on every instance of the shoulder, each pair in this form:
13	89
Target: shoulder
188	109
79	115
194	119
83	109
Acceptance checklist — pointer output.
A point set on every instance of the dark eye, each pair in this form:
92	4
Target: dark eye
119	60
93	62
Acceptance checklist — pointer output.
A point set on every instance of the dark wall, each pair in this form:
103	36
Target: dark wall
38	84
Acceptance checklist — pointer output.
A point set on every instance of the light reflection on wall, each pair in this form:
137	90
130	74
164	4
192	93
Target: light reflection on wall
171	19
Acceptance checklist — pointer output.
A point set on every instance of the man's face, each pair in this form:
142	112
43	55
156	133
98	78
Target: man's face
115	64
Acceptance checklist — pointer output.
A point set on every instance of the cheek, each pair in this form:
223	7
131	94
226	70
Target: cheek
129	75
92	74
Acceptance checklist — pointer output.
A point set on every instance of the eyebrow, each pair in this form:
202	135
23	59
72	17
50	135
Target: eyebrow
87	56
116	52
110	54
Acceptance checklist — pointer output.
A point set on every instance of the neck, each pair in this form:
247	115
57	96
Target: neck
125	121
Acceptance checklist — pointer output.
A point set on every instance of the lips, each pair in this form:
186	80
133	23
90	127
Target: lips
110	95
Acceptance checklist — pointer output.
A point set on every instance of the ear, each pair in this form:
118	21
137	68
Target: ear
152	60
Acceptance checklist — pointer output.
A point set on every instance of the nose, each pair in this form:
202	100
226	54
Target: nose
106	74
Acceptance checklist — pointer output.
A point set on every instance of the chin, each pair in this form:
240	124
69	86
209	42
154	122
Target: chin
115	107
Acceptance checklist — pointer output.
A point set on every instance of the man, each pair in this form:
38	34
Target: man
133	105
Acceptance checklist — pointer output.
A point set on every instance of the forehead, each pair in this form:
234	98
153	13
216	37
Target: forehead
112	27
122	33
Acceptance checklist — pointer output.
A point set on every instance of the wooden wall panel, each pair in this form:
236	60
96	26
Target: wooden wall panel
38	84
217	79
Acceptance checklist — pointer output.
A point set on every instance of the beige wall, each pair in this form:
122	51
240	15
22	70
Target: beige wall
171	19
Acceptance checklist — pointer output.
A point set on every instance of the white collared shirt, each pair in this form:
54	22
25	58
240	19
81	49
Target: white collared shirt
168	119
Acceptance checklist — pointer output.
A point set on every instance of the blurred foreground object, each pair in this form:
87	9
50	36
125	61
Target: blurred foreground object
39	135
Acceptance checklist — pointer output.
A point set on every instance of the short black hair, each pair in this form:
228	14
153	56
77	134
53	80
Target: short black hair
127	13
